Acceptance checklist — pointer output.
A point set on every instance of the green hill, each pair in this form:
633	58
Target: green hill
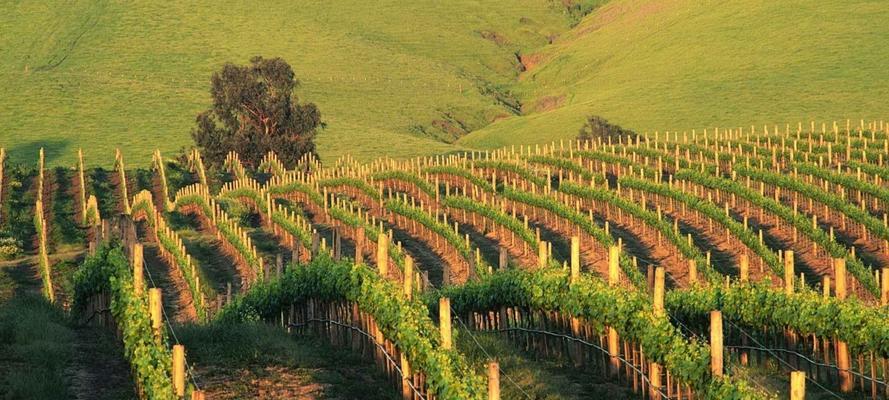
397	78
391	78
681	65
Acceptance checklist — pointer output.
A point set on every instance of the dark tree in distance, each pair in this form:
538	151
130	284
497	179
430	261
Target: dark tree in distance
255	111
598	127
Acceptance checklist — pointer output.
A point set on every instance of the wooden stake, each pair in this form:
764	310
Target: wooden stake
839	265
155	309
613	265
444	322
745	267
575	258
788	272
659	276
408	273
179	369
493	381
797	385
138	270
383	254
716	343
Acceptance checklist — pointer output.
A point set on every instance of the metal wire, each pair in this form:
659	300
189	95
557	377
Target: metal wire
780	360
365	333
584	342
191	373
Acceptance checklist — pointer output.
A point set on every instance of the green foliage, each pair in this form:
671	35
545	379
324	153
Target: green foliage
404	322
579	219
227	229
502	218
365	188
18	204
566	165
514	168
592	300
421	184
255	111
10	248
597	128
799	221
648	217
440	228
461	172
35	338
746	236
108	271
862	327
64	229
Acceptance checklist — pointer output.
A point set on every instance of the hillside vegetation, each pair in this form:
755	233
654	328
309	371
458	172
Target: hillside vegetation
391	78
401	79
681	65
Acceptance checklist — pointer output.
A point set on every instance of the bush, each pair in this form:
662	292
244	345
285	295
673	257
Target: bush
598	127
10	248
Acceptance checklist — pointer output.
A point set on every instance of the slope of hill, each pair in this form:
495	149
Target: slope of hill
679	64
391	78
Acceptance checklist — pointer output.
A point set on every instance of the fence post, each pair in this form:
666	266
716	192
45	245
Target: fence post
179	369
408	277
613	265
692	272
504	258
541	254
788	272
659	277
493	380
745	267
444	322
138	278
797	385
716	343
575	258
155	309
383	254
359	245
406	392
884	286
654	379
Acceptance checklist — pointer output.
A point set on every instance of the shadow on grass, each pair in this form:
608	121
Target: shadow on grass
251	360
28	153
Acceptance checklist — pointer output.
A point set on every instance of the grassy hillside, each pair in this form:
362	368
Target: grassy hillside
682	64
398	78
391	78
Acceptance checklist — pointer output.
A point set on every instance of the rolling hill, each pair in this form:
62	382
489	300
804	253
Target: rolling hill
415	78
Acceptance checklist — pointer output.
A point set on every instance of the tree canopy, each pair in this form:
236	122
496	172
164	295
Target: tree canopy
598	127
256	111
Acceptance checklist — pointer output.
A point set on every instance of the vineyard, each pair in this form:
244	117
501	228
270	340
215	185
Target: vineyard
743	263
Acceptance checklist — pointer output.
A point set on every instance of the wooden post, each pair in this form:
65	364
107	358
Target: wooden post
279	264
504	258
406	392
716	343
444	322
692	272
659	276
383	254
228	293
155	309
788	272
359	245
408	277
839	265
613	265
745	267
541	254
797	385
575	258
179	369
198	395
138	268
884	286
654	378
493	380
